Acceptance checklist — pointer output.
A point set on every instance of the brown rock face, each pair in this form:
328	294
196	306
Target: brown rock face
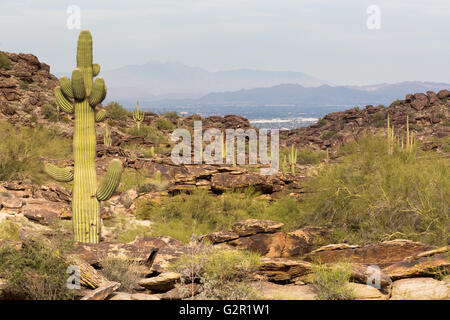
381	254
253	226
161	283
421	265
443	94
420	101
280	270
44	211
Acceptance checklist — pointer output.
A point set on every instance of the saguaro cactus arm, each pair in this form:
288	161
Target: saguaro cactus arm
66	87
59	174
100	115
111	181
98	92
64	104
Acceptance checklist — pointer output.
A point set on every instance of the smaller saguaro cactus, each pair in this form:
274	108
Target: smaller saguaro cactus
293	158
138	116
390	136
107	141
224	149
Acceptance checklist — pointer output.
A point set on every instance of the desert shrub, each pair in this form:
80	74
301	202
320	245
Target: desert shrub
49	112
322	122
200	212
22	148
328	135
4	61
330	282
372	196
170	114
222	272
126	272
116	111
141	181
305	155
164	124
9	230
378	119
150	132
36	272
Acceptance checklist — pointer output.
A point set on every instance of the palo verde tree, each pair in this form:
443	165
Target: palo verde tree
80	96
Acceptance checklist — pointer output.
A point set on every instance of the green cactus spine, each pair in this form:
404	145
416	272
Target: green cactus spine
80	96
138	116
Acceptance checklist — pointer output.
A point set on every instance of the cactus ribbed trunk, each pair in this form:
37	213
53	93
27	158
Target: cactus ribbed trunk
85	206
81	95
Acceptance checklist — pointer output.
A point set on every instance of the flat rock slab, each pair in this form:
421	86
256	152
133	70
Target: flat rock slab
220	236
102	292
272	291
161	283
420	289
273	245
254	226
94	253
43	211
132	296
380	254
281	270
365	292
425	266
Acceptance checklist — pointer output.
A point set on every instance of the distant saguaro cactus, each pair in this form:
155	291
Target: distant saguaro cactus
138	116
80	96
293	159
107	141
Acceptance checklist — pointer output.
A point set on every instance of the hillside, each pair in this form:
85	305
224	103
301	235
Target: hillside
346	198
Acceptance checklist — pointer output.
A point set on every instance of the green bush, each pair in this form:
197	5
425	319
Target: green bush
4	61
125	272
378	119
9	230
305	155
116	111
330	282
200	212
21	148
222	272
36	272
372	196
164	124
49	112
322	122
170	114
328	135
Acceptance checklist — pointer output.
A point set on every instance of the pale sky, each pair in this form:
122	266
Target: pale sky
327	39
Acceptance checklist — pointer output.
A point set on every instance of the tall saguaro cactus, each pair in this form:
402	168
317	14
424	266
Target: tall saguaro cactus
138	116
80	96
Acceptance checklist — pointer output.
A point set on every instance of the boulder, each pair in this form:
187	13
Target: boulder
182	292
281	270
423	266
44	212
127	197
380	254
93	253
10	202
420	289
161	283
271	291
420	101
365	292
220	236
362	273
443	94
254	226
102	292
132	296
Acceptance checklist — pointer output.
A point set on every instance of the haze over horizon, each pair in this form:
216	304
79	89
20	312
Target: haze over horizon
325	39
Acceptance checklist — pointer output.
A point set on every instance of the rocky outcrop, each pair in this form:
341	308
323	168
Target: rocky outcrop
428	115
420	289
381	254
161	283
261	236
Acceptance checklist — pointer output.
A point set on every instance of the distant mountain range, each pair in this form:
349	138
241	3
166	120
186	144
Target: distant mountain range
297	95
156	80
168	85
